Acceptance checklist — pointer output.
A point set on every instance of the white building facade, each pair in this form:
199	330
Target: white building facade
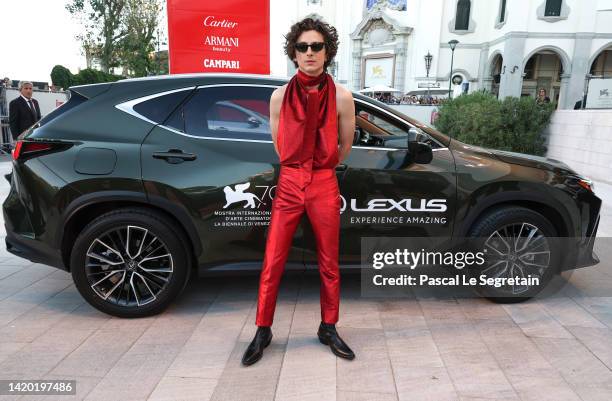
508	47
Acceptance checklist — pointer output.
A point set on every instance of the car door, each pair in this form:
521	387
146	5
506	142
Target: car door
209	161
384	192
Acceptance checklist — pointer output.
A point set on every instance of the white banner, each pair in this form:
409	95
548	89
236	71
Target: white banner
600	94
47	101
378	71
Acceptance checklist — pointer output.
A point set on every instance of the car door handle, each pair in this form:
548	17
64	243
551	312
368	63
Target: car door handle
174	156
341	167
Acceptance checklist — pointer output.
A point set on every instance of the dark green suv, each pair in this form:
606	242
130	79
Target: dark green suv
131	185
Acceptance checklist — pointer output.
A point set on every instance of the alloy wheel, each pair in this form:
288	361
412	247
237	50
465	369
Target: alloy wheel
517	250
128	266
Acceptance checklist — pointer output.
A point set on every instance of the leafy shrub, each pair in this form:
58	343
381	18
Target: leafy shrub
91	76
513	124
61	76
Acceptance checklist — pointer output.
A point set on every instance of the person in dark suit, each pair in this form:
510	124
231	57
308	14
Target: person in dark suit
24	110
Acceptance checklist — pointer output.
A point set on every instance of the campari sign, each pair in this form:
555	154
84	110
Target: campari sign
219	36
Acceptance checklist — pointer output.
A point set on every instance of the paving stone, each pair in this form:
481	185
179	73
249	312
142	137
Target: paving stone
344	395
171	388
36	321
568	313
142	366
370	371
535	321
598	341
538	388
577	365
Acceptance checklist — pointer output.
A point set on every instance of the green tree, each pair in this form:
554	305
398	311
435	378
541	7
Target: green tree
479	118
61	76
141	20
102	21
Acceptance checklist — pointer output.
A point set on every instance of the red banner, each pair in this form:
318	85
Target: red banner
219	36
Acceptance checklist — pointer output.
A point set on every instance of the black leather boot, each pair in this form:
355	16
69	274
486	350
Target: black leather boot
329	336
254	351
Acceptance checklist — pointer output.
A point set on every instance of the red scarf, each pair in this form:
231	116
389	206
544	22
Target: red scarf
308	125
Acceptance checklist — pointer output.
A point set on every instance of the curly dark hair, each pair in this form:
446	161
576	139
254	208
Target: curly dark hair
330	37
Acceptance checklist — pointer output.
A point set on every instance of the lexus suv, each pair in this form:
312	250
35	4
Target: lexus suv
132	185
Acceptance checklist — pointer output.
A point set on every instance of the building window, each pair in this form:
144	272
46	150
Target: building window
462	19
502	11
399	5
553	8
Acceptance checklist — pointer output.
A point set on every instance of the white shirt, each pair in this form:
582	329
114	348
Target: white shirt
33	108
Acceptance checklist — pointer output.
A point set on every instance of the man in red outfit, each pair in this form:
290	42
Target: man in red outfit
313	122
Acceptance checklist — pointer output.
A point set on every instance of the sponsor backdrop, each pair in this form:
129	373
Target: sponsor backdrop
219	36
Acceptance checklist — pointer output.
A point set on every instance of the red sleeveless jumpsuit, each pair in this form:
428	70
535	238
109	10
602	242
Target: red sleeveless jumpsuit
307	182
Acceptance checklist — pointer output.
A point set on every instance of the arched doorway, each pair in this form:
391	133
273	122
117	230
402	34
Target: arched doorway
496	70
602	65
543	70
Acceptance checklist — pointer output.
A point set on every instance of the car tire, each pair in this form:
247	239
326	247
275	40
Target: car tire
490	225
135	280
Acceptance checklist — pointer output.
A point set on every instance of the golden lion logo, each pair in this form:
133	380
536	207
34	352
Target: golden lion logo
377	71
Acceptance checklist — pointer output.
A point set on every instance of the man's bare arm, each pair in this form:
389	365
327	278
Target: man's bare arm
346	123
275	105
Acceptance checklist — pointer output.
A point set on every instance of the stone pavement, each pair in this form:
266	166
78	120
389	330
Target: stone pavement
419	348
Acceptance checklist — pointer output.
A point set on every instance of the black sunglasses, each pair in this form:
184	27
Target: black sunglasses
302	47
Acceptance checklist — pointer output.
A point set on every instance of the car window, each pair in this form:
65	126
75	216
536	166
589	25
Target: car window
380	130
160	107
375	130
385	125
226	111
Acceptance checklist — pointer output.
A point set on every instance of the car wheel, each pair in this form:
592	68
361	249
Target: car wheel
518	242
131	262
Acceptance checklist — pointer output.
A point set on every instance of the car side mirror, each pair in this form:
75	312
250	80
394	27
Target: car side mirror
413	135
420	152
253	122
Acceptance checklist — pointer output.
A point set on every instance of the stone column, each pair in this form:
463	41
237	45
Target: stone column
356	75
572	91
483	67
512	71
400	64
563	92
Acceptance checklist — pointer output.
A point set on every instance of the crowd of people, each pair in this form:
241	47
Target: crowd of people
408	99
428	100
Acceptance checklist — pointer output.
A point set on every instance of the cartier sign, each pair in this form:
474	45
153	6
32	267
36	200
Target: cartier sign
221	36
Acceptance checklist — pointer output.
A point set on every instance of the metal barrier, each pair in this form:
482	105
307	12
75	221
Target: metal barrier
6	141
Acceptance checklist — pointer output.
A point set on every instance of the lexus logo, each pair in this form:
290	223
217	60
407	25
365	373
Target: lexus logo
403	205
